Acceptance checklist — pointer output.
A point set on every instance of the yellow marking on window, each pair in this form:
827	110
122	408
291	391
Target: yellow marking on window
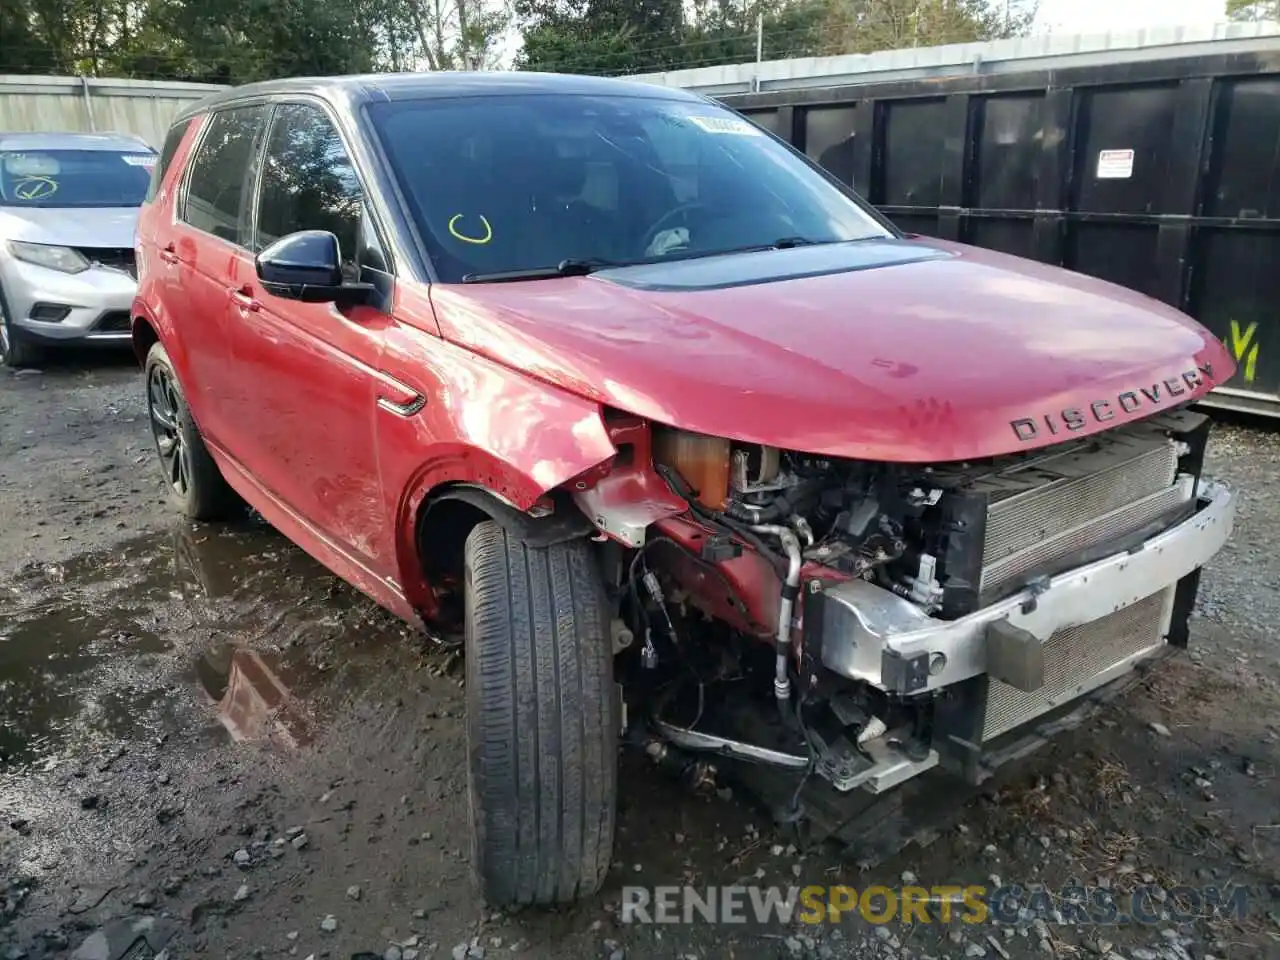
453	229
35	188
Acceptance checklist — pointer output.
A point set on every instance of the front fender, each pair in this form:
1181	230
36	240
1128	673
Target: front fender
564	521
483	426
456	468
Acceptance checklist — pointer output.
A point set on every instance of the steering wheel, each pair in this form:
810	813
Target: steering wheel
651	234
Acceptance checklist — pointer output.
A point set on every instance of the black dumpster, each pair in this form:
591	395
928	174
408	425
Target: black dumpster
1161	175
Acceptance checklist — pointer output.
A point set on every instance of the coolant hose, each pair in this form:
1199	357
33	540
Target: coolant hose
790	590
719	519
752	514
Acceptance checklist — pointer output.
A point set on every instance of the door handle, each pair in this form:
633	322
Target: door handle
245	300
169	254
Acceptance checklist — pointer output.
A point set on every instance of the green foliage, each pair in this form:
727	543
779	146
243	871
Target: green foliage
724	31
235	41
614	37
1253	10
599	36
22	42
863	26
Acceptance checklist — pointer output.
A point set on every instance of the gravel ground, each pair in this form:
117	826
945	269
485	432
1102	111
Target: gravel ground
209	742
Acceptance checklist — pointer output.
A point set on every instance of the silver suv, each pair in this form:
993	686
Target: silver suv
68	212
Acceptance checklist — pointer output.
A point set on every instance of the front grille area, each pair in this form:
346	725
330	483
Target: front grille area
1077	660
117	258
115	321
1060	505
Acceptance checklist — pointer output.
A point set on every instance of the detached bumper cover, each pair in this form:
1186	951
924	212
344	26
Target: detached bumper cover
873	635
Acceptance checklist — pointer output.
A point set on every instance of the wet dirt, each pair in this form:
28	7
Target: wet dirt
202	729
89	638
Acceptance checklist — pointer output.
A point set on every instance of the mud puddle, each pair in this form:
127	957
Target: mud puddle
230	631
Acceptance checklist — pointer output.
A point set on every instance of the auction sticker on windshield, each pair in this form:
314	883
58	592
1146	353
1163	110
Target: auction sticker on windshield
147	160
727	125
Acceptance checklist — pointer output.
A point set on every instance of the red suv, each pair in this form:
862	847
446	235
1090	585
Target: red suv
702	454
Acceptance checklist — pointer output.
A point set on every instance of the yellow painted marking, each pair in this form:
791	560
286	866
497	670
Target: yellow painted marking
453	229
35	188
1244	349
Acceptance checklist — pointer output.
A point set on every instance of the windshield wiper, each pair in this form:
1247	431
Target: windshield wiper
569	267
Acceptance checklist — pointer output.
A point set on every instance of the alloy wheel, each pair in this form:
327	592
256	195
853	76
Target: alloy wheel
164	406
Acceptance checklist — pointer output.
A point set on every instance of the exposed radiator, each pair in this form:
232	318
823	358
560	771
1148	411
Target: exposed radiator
1080	659
1057	506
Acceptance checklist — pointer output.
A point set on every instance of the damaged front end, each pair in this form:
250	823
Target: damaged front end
861	623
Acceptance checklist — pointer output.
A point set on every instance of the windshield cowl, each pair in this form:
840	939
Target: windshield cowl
582	268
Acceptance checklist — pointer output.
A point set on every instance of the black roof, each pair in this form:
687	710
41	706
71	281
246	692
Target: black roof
364	88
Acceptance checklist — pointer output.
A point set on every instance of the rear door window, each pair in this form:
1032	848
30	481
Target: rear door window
308	182
221	170
172	140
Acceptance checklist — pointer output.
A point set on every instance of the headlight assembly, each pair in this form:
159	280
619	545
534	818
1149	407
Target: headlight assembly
63	259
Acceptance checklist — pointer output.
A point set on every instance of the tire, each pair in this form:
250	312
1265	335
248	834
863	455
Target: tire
542	720
15	349
194	482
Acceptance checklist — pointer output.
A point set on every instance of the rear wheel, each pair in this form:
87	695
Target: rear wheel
15	349
194	481
542	720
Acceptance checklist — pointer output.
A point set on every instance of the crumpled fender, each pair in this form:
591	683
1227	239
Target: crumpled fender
484	427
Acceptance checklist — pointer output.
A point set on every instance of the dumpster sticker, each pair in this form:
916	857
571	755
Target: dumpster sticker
1115	164
1245	349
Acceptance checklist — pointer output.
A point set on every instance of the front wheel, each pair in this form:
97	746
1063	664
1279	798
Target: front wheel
195	483
542	720
15	349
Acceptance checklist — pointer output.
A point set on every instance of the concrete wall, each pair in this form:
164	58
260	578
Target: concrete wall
87	105
999	56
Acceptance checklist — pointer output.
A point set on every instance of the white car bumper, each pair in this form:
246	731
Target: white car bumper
50	305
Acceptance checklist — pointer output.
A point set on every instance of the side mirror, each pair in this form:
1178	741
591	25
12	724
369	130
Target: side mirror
307	266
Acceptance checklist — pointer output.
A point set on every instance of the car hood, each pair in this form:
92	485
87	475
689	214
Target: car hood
71	226
895	350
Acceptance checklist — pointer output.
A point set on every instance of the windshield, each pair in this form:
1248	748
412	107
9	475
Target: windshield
503	184
74	178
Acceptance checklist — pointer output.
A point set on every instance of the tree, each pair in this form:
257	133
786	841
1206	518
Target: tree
25	48
233	41
599	36
865	26
613	37
725	31
1253	10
